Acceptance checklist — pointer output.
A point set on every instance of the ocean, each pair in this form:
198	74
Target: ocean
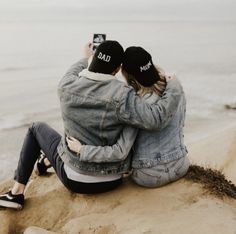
40	39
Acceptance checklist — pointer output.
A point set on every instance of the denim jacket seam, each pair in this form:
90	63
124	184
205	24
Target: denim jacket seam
176	153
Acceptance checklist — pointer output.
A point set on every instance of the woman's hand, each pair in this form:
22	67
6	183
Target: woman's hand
163	75
73	144
88	50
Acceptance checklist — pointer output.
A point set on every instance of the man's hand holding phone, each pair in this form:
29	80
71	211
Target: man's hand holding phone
90	48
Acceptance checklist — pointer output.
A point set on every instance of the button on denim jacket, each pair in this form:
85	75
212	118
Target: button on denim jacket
97	108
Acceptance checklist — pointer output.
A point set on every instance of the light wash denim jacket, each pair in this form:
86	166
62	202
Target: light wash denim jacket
150	148
97	107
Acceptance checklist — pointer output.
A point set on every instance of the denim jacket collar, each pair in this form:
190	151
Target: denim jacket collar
96	76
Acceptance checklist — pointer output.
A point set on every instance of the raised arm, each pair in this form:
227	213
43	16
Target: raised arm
134	111
73	72
115	153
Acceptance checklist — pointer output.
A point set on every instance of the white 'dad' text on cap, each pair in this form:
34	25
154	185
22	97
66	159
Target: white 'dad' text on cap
104	57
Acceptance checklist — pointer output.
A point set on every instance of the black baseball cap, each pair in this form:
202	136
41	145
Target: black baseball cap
108	56
138	62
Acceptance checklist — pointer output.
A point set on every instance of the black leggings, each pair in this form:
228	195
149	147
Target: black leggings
41	136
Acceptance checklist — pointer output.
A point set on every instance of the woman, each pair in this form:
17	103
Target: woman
159	157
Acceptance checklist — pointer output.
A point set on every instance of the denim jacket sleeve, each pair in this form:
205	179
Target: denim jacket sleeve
73	72
134	111
115	153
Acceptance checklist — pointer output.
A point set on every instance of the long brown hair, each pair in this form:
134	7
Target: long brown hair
158	88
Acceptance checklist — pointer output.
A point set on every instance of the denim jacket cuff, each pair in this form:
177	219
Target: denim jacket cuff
82	153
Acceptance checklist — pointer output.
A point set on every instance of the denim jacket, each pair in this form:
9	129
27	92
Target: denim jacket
96	108
150	148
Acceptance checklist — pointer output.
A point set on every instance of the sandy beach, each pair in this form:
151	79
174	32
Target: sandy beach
180	207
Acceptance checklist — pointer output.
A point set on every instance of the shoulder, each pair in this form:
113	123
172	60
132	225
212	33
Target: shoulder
151	97
122	87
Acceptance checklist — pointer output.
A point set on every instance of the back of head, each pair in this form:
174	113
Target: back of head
107	58
138	63
141	73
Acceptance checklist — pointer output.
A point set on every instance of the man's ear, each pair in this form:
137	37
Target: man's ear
116	70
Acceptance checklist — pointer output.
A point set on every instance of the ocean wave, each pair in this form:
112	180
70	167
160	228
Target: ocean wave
13	121
7	165
13	69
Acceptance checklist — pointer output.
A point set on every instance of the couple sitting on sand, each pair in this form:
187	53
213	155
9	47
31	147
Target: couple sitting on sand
110	127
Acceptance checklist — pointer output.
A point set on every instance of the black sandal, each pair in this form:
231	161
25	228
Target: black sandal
41	167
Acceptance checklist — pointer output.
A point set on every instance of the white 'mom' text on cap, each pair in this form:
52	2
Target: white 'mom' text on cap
145	67
104	57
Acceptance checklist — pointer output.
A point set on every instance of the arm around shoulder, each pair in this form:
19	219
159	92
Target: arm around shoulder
115	153
135	111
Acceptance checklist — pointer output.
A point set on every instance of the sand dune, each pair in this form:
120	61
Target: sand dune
180	207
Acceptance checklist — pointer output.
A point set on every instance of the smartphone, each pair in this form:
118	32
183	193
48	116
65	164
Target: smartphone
98	38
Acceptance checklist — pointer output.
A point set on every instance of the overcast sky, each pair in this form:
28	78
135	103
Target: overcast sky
123	9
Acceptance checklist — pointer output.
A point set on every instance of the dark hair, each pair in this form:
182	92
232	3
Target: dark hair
158	87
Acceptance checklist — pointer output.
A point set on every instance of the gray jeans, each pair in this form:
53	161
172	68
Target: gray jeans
41	136
161	174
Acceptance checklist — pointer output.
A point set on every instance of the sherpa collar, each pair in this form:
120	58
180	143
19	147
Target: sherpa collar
96	76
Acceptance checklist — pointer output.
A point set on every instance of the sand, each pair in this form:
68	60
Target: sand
180	207
217	151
